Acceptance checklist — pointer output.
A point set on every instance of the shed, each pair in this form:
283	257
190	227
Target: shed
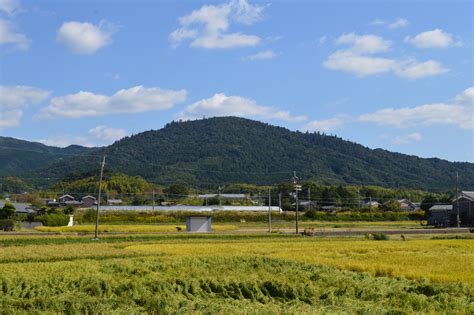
440	215
198	224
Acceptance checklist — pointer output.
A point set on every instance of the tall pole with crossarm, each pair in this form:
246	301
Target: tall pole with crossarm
297	188
96	237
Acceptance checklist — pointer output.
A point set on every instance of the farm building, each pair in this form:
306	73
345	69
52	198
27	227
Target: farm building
440	215
88	201
465	202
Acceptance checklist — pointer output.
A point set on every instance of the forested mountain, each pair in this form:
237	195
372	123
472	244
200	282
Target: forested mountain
224	150
20	157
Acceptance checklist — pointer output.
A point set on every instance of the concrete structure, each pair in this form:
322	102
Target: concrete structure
201	224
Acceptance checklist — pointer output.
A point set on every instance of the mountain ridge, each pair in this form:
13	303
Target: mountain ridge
224	150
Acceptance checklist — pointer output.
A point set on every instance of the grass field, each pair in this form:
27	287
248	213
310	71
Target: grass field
234	274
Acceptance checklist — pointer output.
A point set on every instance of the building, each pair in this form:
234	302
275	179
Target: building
88	201
372	204
64	198
465	202
407	205
112	202
198	224
440	215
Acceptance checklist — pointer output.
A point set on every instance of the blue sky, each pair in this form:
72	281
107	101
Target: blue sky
396	75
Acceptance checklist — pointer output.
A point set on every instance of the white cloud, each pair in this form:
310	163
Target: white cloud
399	23
263	55
364	44
326	125
322	40
98	136
409	138
459	113
14	100
65	140
85	38
133	100
378	21
359	59
416	70
359	65
107	134
436	38
208	26
10	7
223	105
9	36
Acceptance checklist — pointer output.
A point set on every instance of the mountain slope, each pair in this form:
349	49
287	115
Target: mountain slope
20	157
228	150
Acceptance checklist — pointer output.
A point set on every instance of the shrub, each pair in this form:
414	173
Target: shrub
53	219
7	225
380	237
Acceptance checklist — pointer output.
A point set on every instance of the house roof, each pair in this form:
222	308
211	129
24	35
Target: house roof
468	194
88	196
441	208
66	196
228	196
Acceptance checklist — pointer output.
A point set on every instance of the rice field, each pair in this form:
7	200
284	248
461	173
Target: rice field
228	274
117	228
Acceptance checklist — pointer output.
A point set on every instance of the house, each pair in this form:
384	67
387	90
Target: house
64	198
407	205
371	204
440	215
75	203
112	202
465	204
223	196
88	201
305	205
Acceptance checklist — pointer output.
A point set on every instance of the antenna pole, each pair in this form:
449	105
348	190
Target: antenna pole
96	237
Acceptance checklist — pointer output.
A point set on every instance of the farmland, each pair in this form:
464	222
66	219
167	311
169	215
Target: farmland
228	273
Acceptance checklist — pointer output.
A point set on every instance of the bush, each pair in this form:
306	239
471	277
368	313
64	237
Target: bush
7	225
53	219
380	236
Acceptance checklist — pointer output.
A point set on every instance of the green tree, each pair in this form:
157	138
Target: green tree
391	205
7	211
177	190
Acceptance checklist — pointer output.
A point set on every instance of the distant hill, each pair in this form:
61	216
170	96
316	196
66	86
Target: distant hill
222	150
20	157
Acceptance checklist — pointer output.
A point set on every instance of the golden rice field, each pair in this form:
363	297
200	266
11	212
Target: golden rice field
229	274
150	228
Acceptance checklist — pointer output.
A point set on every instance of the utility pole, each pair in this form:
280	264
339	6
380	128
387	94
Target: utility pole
309	195
96	237
153	197
458	221
269	211
220	199
279	202
297	188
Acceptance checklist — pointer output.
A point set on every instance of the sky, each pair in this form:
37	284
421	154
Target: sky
396	75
